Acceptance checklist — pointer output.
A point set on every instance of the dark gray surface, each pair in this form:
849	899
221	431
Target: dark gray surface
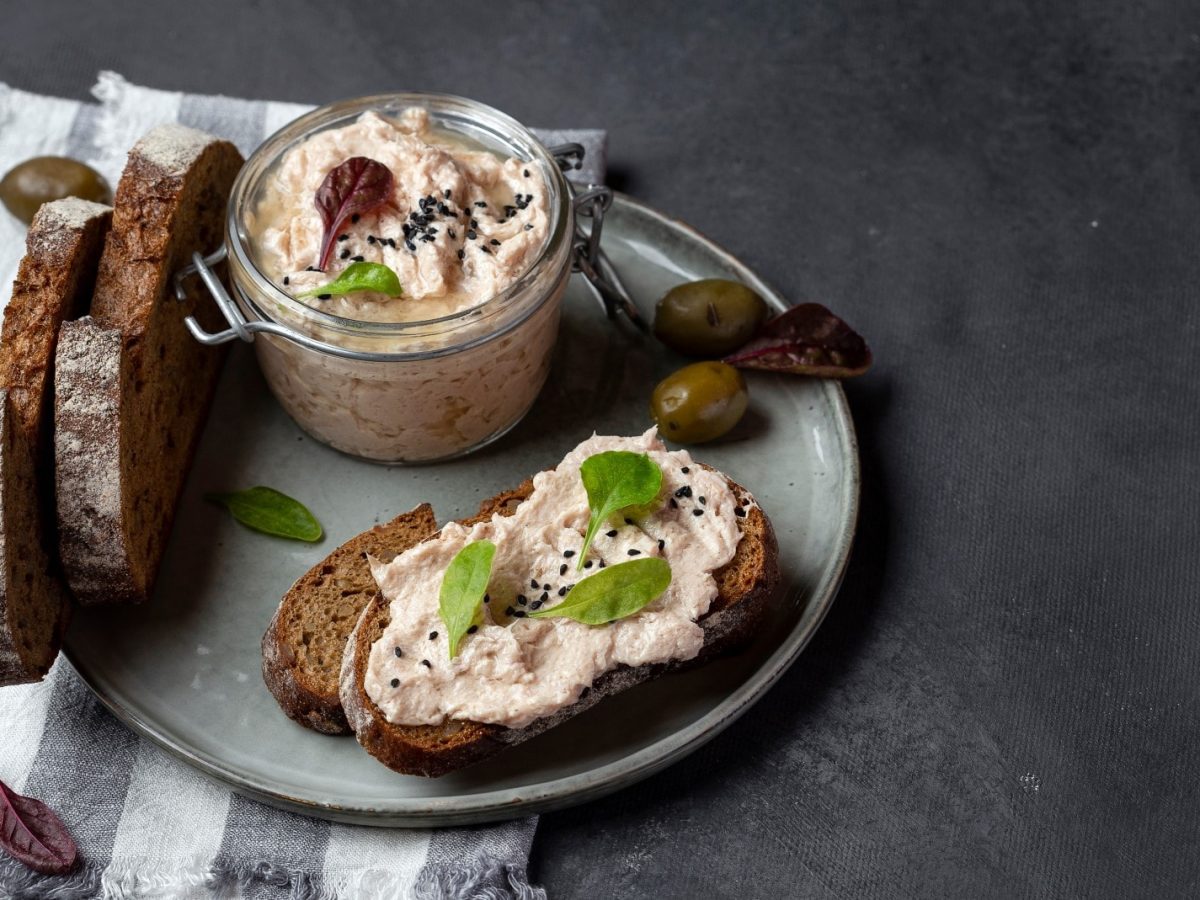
1004	700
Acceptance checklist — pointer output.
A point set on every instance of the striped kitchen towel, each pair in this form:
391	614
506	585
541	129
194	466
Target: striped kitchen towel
146	824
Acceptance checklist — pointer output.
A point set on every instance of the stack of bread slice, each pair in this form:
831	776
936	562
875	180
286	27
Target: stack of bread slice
103	393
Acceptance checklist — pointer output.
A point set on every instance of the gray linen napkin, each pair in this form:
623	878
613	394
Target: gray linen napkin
146	824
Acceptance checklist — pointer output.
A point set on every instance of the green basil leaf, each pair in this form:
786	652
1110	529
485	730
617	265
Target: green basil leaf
463	587
613	593
616	480
265	509
360	276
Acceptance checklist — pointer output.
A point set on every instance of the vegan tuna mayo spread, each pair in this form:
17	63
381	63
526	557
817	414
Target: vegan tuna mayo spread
462	225
438	370
514	669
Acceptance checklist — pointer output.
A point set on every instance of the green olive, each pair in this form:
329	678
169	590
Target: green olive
711	317
699	403
36	181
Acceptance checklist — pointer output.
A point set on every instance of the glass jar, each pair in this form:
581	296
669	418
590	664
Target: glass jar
415	391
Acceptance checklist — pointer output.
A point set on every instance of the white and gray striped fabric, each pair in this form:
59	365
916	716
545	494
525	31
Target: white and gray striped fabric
146	824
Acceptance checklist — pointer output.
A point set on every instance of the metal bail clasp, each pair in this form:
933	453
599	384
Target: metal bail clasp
589	258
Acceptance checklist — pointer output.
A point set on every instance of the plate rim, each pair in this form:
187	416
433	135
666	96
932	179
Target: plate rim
569	790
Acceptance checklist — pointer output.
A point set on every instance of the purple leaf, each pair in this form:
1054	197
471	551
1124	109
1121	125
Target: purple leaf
357	186
33	835
806	340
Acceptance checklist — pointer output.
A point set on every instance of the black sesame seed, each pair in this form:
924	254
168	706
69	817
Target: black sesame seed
529	228
545	587
487	598
740	513
567	554
431	231
494	242
427	664
461	254
697	511
628	521
399	653
603	564
471	235
311	269
588	564
345	254
661	544
354	218
443	209
395	682
472	629
286	280
433	635
536	604
481	203
410	245
612	533
520	614
685	470
428	237
450	231
370	238
474	224
533	583
685	491
359	258
525	173
562	570
324	296
523	601
545	596
634	552
485	248
508	611
674	503
343	237
392	243
562	591
446	193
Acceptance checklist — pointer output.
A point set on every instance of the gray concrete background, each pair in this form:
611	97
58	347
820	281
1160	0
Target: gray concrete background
1003	197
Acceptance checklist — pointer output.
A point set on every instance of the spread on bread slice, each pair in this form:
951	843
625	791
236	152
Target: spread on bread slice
134	388
302	647
420	709
53	284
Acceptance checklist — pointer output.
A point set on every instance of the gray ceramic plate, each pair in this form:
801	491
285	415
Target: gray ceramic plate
184	669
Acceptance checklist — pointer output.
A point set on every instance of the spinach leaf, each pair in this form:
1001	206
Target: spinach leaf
360	276
463	587
616	480
613	593
265	509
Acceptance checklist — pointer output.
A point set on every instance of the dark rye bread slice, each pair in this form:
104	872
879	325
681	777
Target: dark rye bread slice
54	283
302	647
134	388
745	588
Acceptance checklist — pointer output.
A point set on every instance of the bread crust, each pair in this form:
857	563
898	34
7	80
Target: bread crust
170	203
307	696
53	284
745	588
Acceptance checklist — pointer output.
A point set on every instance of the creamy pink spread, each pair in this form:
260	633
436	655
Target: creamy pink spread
515	670
462	226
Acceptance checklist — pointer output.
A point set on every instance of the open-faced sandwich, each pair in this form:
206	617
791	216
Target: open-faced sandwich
623	562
